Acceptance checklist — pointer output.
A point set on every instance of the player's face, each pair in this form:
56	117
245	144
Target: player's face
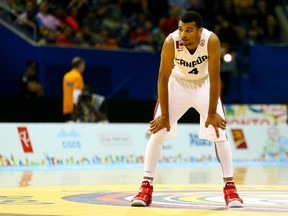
189	33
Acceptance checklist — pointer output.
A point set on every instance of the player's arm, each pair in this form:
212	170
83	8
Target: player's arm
166	65
214	52
77	88
165	69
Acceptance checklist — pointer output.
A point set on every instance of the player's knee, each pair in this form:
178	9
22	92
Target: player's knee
158	137
212	136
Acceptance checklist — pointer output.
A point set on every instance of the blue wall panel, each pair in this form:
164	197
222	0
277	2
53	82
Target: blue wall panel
131	75
115	74
269	74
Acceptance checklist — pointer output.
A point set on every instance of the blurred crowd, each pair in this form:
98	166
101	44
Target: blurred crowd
143	24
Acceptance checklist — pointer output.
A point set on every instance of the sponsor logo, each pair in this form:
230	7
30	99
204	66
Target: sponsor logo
202	42
194	140
25	139
239	139
70	138
116	139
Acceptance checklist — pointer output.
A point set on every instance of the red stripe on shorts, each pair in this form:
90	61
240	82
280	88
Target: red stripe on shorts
156	107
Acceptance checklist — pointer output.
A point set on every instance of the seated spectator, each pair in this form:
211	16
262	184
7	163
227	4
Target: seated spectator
65	38
45	19
265	20
88	107
28	16
29	85
106	40
170	24
226	32
141	36
60	14
71	18
91	22
29	12
82	6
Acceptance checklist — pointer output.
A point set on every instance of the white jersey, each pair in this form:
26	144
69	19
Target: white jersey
187	66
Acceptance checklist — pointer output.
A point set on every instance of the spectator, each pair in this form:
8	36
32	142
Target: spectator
170	24
82	7
29	15
226	32
91	22
141	37
72	86
88	107
266	20
29	85
45	19
65	38
130	7
71	18
60	14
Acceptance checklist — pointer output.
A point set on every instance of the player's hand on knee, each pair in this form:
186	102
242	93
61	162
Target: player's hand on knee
158	124
216	121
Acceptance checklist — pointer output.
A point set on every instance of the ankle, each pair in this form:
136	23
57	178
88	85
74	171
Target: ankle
149	179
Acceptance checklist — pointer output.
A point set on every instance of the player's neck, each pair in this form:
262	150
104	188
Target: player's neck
192	48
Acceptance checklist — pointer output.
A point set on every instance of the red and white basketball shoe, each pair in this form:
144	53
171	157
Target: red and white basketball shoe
144	196
231	196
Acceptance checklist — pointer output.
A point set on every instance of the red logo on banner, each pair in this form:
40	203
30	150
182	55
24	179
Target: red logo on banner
239	139
25	139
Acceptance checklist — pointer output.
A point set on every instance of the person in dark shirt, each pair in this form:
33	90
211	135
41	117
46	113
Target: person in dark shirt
29	85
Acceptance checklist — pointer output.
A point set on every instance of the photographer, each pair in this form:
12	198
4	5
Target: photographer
86	109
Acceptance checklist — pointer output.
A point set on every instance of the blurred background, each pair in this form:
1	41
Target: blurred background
120	41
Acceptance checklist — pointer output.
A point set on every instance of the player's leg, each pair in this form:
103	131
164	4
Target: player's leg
177	107
222	145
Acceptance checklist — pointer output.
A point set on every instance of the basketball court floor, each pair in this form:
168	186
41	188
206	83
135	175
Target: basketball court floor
185	189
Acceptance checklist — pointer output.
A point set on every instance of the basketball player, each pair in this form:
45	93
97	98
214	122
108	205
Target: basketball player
189	76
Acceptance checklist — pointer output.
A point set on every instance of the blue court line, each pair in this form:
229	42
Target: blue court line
131	166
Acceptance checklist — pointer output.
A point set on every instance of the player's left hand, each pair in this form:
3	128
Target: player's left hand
216	121
159	123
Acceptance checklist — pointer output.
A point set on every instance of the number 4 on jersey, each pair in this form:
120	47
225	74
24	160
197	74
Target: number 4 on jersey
194	71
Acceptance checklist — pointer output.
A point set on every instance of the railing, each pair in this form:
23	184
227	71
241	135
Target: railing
14	14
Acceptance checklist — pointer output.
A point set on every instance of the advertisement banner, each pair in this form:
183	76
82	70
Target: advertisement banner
53	144
257	114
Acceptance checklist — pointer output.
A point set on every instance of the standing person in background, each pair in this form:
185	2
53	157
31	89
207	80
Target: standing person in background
29	84
189	76
72	86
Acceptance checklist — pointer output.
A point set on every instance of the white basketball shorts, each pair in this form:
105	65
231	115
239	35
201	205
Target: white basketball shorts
184	94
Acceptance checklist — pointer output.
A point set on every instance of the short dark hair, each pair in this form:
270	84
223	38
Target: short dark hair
192	16
76	61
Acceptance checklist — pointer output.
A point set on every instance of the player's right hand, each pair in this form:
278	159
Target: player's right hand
159	123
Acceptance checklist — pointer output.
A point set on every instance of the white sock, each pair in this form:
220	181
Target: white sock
225	157
152	156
